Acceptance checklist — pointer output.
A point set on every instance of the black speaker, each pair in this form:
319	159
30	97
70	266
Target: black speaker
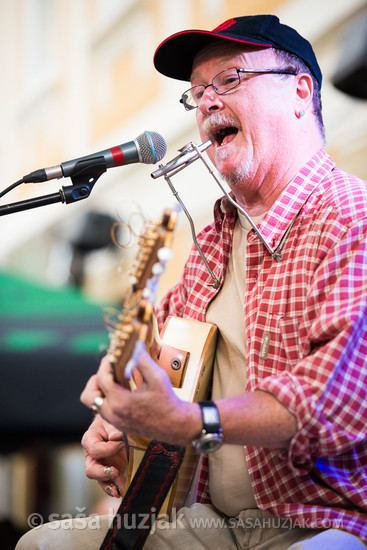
351	74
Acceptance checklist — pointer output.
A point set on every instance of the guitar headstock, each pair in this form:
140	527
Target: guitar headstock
134	325
154	241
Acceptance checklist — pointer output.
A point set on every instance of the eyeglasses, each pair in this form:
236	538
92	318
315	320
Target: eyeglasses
222	83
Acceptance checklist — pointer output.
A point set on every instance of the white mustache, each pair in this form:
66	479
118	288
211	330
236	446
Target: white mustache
216	119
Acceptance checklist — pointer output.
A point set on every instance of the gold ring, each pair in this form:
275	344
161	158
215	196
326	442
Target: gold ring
109	490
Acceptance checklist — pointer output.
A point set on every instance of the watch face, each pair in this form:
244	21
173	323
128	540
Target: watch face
211	445
208	443
210	416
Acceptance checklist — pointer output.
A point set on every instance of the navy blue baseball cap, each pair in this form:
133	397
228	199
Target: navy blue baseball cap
175	55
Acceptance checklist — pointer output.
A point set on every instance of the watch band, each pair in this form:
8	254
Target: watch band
210	415
211	438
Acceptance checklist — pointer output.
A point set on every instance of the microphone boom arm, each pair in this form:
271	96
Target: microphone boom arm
84	175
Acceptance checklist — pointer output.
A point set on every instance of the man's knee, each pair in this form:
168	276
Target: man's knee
32	540
72	534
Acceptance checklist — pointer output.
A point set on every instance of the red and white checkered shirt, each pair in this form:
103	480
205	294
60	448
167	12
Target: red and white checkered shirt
306	321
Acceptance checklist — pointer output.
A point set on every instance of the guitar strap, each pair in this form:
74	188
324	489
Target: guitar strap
144	497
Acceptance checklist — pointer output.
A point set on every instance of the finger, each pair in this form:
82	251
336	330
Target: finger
91	391
108	409
105	368
114	391
113	434
111	489
151	373
92	384
100	472
104	449
96	444
120	484
101	430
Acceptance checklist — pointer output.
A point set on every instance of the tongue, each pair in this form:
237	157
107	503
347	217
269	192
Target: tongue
230	135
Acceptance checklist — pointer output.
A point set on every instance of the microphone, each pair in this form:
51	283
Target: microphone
148	148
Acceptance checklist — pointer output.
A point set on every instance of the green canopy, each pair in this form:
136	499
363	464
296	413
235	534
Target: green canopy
51	342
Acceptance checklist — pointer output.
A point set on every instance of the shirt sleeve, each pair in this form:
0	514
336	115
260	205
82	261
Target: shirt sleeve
326	390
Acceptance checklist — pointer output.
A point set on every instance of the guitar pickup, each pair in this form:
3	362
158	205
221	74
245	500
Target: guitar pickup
174	361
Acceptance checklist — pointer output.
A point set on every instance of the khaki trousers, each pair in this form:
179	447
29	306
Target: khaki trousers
197	528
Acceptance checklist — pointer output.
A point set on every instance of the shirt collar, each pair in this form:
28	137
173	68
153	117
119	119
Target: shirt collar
290	201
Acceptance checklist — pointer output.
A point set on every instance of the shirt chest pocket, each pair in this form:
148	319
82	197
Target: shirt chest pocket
275	345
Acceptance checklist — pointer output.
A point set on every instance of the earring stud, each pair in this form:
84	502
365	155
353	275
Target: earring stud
301	113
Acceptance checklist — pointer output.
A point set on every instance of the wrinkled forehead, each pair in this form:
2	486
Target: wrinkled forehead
225	50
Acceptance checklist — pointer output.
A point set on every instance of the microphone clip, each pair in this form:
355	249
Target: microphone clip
84	175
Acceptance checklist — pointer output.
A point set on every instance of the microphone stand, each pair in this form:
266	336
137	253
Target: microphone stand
84	175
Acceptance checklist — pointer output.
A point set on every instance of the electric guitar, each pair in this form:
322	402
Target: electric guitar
185	349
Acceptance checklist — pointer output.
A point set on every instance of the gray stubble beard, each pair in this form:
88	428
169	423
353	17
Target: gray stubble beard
242	172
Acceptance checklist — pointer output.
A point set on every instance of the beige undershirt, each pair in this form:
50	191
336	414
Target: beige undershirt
229	482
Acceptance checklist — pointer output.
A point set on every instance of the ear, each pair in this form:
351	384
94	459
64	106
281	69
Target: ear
304	92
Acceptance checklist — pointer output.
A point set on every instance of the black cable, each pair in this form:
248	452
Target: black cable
2	193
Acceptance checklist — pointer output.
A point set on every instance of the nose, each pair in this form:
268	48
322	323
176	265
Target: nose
210	100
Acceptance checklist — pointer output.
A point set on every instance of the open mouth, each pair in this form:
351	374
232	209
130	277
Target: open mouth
222	135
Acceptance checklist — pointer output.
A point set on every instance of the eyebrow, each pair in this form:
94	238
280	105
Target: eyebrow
225	59
195	75
231	56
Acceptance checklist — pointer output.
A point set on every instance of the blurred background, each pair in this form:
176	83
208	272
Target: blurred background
77	77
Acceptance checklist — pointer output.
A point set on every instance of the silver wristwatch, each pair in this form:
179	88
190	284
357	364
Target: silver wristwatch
211	438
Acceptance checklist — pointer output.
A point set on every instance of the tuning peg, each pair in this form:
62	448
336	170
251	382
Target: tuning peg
157	269
165	254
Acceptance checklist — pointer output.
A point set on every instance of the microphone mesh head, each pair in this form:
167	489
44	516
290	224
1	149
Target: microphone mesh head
152	147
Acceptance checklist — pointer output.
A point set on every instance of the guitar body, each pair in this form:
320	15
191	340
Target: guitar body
187	352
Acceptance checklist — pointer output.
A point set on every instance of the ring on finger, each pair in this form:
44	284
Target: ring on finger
109	490
107	471
97	404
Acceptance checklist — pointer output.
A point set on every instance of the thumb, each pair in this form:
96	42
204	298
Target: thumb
150	372
114	434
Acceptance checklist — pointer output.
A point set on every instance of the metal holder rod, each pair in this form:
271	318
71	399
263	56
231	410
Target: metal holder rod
188	154
276	255
216	281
